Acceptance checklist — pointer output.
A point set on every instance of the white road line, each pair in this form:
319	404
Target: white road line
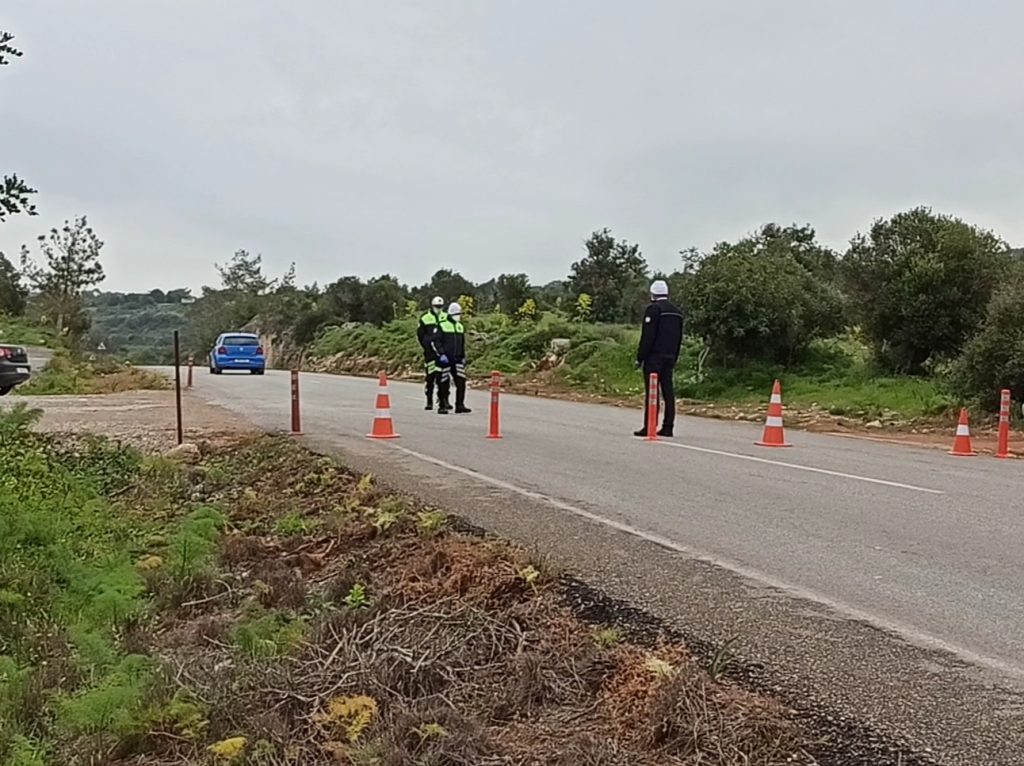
908	632
798	467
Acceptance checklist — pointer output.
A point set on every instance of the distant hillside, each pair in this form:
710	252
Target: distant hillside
136	326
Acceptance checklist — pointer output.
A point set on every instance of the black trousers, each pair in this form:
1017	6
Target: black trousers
664	366
433	376
459	377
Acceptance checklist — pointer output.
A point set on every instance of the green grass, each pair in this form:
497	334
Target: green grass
70	377
23	333
70	590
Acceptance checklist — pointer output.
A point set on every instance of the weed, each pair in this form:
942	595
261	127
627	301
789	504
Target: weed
529	575
606	638
292	525
268	635
184	716
357	597
723	659
230	750
431	522
431	731
348	717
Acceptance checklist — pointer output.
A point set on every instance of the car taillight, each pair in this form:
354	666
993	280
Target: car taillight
4	353
259	351
222	351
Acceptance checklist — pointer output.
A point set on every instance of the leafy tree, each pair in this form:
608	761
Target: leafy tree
614	275
553	296
994	358
13	294
244	274
920	284
756	299
383	300
243	296
71	265
512	290
14	193
446	283
343	300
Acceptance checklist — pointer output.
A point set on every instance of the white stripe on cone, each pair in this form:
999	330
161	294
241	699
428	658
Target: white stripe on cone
962	430
382	390
383	414
776	399
773	422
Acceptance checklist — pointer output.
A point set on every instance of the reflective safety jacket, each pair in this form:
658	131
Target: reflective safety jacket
453	339
429	333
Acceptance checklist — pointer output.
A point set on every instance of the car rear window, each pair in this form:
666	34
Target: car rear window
240	340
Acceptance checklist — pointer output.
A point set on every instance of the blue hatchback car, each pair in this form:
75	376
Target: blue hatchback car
238	351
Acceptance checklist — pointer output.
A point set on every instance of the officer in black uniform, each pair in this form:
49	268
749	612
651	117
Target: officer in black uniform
429	335
661	337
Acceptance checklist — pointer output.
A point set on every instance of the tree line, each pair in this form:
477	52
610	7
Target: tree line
930	294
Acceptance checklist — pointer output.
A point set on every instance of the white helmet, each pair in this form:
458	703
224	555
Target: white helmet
437	303
659	288
455	310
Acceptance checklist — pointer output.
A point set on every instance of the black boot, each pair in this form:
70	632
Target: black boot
443	408
430	403
641	432
462	409
665	431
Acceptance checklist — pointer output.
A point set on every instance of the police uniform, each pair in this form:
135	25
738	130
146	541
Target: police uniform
453	335
429	335
661	337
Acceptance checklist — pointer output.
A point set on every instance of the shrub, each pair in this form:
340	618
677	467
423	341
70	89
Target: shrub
920	283
994	358
765	297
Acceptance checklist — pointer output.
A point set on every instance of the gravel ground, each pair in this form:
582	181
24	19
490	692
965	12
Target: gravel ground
144	419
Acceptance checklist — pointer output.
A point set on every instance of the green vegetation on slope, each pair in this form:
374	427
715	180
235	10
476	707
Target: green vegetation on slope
835	375
20	331
65	375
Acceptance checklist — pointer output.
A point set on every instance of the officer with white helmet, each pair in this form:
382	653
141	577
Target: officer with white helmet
661	337
429	335
453	342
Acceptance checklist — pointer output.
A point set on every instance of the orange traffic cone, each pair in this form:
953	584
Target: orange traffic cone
774	434
383	428
962	443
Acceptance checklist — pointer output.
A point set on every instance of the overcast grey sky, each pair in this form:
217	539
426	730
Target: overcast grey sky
363	137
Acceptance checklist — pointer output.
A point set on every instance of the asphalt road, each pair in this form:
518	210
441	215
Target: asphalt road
916	543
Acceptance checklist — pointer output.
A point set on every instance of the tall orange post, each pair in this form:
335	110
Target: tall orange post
494	430
1003	450
652	407
296	418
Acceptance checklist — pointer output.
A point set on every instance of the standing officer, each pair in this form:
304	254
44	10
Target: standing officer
429	335
661	336
454	344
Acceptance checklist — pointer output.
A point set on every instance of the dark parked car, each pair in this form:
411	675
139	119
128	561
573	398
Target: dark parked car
237	351
14	368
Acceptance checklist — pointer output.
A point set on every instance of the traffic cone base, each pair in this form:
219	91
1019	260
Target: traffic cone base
774	434
962	446
383	428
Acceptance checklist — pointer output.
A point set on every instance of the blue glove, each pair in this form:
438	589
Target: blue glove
443	359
